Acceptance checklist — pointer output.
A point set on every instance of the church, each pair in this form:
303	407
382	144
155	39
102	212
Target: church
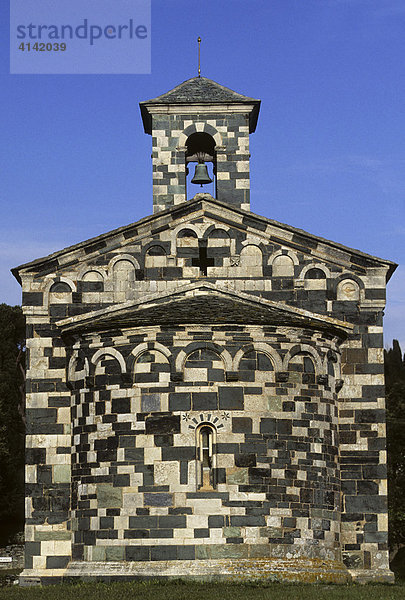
205	387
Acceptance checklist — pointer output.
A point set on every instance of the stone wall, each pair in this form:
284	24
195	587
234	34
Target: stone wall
204	241
271	404
15	552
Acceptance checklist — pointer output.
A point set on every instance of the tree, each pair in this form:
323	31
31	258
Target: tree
12	425
395	404
394	366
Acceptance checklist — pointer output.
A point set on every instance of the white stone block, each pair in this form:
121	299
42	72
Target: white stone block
153	454
197	521
167	473
242	184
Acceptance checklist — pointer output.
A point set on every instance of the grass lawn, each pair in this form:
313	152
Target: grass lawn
208	591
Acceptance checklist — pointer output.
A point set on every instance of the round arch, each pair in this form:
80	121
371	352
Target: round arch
303	349
259	347
199	127
184	353
74	375
119	257
283	252
110	352
319	266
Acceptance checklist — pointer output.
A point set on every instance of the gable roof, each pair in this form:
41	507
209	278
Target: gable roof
297	238
200	90
202	303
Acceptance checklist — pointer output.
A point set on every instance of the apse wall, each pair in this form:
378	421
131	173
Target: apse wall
261	400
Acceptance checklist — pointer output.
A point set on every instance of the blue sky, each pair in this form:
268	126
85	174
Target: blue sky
328	154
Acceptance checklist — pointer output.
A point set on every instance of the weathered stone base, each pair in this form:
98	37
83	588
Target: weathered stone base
372	576
262	569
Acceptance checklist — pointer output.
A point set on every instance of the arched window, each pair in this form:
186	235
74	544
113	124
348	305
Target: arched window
205	457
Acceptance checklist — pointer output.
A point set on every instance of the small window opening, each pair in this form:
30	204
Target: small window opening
205	458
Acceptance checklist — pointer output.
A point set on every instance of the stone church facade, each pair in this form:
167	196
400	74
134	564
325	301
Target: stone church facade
205	387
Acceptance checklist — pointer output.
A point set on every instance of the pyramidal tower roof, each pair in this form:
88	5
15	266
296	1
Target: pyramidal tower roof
200	90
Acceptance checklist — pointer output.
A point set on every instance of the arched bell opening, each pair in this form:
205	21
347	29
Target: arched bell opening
200	165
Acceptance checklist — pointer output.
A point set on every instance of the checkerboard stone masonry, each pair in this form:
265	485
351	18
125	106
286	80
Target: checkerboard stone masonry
205	316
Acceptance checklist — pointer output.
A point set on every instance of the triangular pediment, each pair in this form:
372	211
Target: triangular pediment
201	303
203	206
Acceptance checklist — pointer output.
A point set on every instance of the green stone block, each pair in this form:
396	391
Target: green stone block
231	531
109	496
48	536
202	552
114	553
237	476
61	473
259	551
229	551
347	526
98	553
295	377
274	404
175	189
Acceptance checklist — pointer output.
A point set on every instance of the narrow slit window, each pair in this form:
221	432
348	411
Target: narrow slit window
205	458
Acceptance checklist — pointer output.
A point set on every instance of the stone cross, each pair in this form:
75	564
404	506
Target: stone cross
203	261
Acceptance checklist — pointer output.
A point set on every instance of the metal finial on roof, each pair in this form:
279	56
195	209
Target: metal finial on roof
199	63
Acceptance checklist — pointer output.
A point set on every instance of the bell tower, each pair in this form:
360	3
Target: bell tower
200	123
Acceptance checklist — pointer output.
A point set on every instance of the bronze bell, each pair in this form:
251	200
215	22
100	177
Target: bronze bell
201	174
